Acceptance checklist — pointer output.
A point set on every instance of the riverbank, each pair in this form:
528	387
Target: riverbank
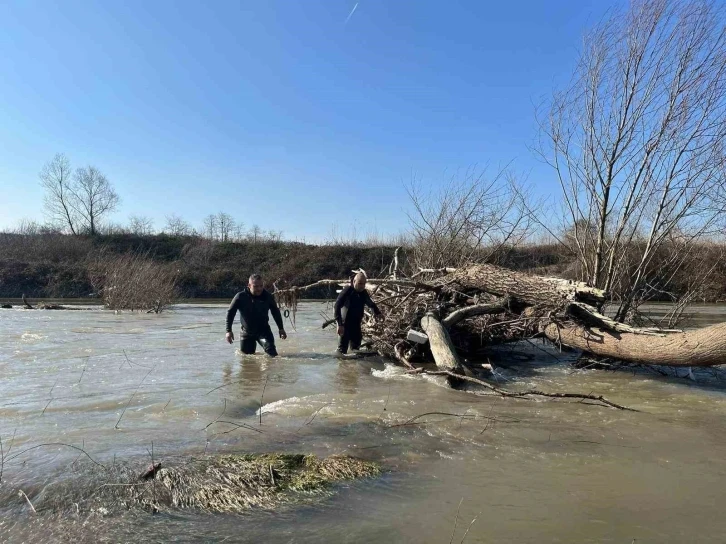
61	266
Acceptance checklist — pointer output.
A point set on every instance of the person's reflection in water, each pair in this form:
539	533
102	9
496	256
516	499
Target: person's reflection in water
346	377
252	373
227	373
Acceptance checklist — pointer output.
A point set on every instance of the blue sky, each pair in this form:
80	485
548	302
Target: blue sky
280	113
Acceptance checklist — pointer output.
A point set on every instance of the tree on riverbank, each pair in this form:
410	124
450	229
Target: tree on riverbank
636	141
78	201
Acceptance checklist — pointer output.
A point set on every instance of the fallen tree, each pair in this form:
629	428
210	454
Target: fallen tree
449	317
701	347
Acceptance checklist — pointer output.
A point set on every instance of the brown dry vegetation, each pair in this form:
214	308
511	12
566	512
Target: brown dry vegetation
59	265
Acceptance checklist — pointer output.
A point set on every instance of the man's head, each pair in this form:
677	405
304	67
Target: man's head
255	285
359	281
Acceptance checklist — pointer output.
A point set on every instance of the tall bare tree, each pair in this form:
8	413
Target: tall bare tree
255	233
211	227
225	226
239	231
93	197
56	179
637	142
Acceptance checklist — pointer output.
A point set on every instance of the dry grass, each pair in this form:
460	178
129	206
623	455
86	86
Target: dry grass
228	483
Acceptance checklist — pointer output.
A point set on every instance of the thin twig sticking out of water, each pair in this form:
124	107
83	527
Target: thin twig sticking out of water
153	484
3	454
83	371
132	398
267	377
521	394
22	494
131	364
83	445
238	426
225	385
489	419
469	528
463	416
456	520
84	452
51	397
312	417
380	417
220	415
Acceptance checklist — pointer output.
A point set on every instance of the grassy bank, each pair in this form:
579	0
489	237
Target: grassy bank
60	266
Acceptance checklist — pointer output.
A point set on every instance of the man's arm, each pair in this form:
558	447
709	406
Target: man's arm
372	305
275	311
232	311
339	303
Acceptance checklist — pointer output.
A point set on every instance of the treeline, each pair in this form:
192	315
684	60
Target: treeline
54	265
80	201
220	227
61	265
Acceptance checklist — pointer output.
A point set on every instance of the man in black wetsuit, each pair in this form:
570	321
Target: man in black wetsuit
352	299
253	304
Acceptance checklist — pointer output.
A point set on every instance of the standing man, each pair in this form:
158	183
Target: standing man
253	303
352	301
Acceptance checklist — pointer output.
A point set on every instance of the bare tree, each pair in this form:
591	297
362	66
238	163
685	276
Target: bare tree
55	177
255	233
211	228
239	231
637	143
28	227
93	197
225	226
141	225
108	228
468	219
176	226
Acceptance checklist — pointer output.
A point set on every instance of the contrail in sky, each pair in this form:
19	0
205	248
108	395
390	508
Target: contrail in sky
351	13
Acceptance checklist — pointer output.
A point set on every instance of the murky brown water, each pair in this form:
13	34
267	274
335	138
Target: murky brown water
523	470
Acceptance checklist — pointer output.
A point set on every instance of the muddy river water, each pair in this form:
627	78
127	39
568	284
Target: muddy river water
495	470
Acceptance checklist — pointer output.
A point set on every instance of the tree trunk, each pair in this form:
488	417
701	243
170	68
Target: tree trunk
534	290
444	354
471	311
701	347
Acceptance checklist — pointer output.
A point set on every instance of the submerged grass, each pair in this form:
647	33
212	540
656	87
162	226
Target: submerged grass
229	483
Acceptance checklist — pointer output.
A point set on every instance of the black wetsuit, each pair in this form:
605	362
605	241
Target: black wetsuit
354	302
255	323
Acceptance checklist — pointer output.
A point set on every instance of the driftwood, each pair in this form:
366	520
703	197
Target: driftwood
701	347
459	313
442	349
529	289
471	311
41	306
